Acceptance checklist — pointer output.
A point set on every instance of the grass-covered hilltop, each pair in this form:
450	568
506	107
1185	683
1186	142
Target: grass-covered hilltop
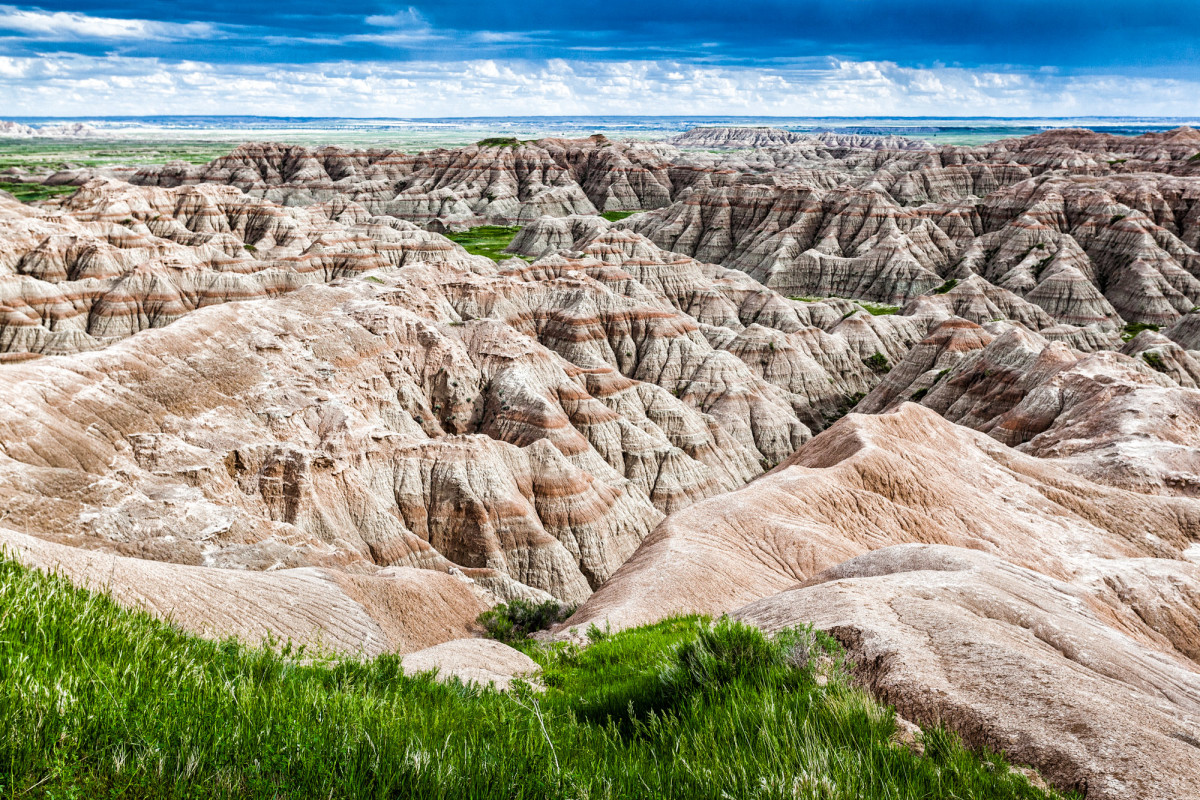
99	701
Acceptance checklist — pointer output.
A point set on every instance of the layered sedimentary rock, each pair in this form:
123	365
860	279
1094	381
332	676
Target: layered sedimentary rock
1091	681
1129	420
114	259
1023	605
735	137
868	482
395	610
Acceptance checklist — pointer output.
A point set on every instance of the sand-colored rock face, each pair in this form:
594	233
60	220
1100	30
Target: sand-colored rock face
395	610
874	481
973	585
1066	677
482	661
264	394
1129	420
524	425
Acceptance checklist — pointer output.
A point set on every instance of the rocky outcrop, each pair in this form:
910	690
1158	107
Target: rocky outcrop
1126	421
739	138
481	661
1068	677
116	259
395	610
874	481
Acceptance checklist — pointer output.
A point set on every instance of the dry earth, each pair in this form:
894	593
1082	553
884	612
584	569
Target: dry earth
267	394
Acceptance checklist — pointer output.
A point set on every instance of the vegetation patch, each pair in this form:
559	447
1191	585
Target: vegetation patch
1134	328
1155	361
1194	158
499	141
99	702
878	363
878	309
33	192
614	216
486	240
1115	219
945	287
514	621
846	405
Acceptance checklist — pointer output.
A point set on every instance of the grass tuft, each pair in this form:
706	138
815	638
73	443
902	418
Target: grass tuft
514	621
1132	329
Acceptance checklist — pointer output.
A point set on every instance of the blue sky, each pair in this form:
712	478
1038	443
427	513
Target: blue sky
460	58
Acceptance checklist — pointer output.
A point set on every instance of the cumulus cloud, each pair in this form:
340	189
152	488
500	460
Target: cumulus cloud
59	26
79	85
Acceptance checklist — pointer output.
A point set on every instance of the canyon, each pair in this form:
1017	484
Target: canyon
942	402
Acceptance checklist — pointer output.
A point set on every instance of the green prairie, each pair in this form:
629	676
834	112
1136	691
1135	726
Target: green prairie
98	701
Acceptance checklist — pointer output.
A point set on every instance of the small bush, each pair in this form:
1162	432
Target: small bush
947	286
878	363
1155	361
249	248
512	622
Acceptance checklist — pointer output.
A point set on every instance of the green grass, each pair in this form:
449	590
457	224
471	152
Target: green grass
503	141
487	240
878	309
945	287
614	216
54	154
97	701
32	192
1134	328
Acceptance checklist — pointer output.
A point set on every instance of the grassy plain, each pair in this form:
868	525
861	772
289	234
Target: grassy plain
99	701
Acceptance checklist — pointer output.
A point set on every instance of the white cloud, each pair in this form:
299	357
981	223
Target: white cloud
408	18
61	26
76	85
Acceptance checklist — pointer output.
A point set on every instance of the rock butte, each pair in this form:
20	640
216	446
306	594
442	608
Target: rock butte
267	394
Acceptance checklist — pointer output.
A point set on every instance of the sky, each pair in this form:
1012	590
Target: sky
368	58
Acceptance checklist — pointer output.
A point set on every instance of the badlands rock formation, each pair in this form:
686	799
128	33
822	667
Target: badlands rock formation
1033	611
1079	682
62	130
775	137
266	393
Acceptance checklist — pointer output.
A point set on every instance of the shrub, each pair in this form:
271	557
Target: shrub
947	286
878	363
512	622
1155	361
